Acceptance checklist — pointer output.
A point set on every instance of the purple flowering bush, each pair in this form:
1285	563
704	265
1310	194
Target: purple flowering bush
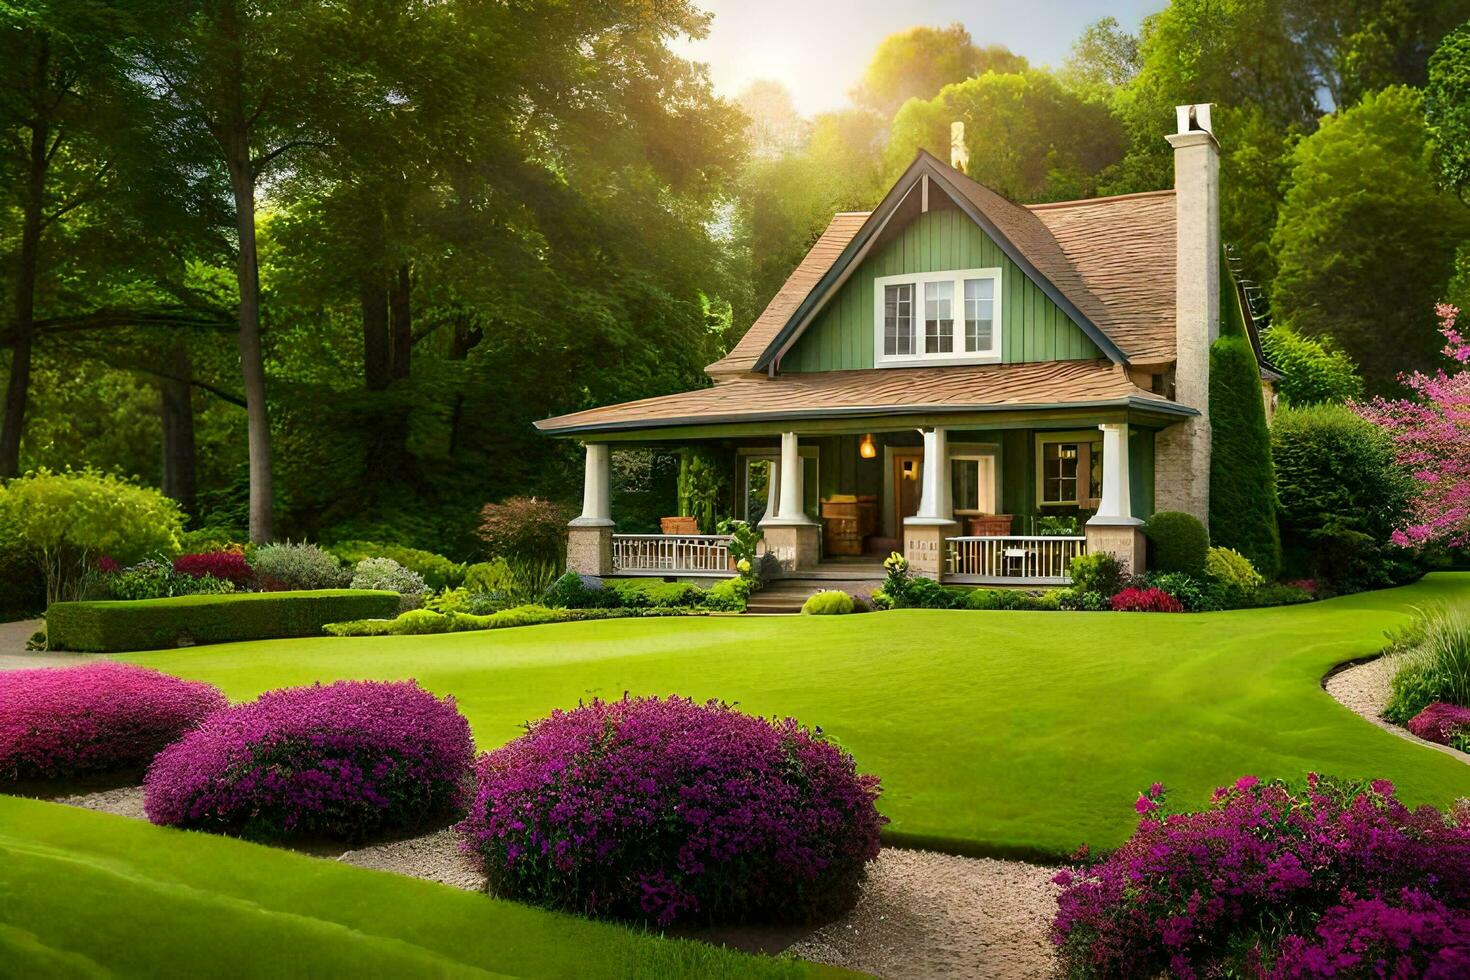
668	810
63	721
1447	724
1332	878
346	760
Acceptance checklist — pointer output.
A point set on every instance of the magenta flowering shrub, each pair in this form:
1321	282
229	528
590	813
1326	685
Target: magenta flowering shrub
346	760
62	721
1412	936
1272	880
227	566
668	810
1442	722
1146	600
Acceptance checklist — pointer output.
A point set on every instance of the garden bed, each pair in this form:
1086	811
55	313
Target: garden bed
1363	686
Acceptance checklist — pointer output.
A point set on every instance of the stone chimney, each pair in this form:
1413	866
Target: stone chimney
1182	451
959	154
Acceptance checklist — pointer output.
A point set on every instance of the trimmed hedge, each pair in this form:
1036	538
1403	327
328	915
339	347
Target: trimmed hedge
154	624
1177	542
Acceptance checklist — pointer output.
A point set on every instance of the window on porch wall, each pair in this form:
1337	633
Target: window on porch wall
1069	472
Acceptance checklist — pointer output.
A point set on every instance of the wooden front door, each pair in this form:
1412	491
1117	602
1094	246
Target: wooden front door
908	480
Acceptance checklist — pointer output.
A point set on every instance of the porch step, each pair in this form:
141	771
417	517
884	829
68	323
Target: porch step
786	596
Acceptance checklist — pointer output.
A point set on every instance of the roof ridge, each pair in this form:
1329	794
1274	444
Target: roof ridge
1102	199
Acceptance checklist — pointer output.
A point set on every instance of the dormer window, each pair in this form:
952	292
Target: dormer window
938	318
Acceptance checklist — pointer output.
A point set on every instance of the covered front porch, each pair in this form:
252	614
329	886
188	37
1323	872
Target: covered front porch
1000	498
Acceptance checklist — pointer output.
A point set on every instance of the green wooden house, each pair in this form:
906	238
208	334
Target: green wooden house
989	388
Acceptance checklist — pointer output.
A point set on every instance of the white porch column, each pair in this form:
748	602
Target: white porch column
1116	506
596	492
793	490
935	494
925	534
773	493
1113	528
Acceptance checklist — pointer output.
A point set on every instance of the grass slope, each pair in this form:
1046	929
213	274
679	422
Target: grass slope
994	733
87	894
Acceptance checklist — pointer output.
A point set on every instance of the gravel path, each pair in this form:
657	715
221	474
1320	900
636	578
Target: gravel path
15	656
1364	688
921	915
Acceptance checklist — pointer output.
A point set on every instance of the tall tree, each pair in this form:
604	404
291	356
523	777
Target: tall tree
917	63
1447	109
250	75
1365	241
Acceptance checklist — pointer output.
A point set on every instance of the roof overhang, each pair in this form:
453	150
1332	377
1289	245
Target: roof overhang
924	167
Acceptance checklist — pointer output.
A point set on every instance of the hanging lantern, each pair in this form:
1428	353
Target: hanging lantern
866	449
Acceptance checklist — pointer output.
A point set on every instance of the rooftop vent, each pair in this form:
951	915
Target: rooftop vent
1194	118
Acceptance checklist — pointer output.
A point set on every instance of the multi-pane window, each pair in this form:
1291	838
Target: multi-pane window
898	319
944	317
1070	472
938	317
979	315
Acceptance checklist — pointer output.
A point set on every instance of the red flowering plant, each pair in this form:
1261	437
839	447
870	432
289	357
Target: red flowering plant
1273	880
1431	436
227	566
63	721
347	760
1150	599
669	810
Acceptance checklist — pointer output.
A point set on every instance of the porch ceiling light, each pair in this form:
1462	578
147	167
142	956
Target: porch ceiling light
866	449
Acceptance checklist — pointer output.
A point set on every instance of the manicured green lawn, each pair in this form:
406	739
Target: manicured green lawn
87	894
997	732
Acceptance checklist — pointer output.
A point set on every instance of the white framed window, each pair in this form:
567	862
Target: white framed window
937	317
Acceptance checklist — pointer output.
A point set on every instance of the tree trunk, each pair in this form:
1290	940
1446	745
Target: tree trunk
401	316
17	391
252	360
176	407
377	343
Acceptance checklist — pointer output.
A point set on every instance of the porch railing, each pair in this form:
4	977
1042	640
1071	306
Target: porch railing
1028	560
671	554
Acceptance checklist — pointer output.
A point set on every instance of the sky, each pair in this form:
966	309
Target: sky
819	48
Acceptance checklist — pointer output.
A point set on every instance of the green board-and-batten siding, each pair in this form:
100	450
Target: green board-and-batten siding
1034	328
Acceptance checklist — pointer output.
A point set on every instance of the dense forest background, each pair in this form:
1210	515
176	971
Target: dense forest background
315	268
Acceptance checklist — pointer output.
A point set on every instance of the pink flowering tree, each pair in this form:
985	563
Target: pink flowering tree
1431	436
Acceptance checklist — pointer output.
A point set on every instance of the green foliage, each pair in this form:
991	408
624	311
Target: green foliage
1054	525
1276	594
1242	484
1195	594
1447	108
462	600
386	574
153	579
1013	599
155	624
1436	667
1230	567
489	576
64	522
829	602
1367	267
1078	601
702	479
1341	496
730	595
204	539
298	566
925	593
1177	542
437	571
645	593
1313	369
574	591
918	62
744	540
424	622
1096	572
1028	137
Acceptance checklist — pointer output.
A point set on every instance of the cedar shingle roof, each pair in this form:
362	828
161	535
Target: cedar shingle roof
755	397
1111	258
1123	247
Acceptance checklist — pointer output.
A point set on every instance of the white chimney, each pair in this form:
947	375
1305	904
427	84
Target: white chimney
1183	450
959	154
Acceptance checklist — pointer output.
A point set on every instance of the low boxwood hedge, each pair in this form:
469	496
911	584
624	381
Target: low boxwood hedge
153	624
